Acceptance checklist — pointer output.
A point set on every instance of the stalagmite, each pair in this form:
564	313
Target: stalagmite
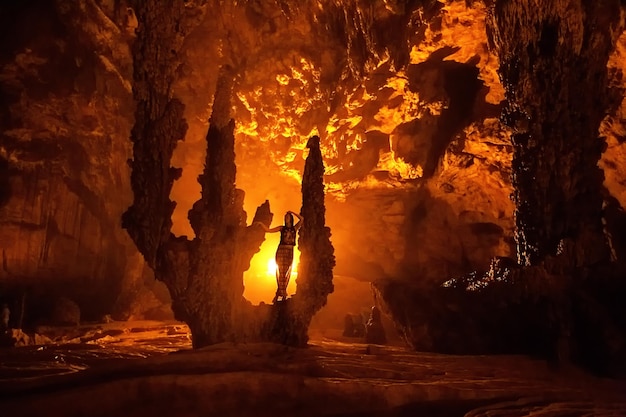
205	275
289	321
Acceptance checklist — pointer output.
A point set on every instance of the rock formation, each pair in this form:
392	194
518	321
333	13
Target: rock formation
205	275
555	76
65	110
557	95
315	272
68	102
289	321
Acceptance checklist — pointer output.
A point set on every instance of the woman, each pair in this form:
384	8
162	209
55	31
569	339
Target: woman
284	253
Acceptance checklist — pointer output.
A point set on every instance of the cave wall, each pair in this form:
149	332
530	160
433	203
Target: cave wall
66	112
56	241
561	298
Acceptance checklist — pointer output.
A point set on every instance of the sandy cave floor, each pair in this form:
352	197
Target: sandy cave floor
148	368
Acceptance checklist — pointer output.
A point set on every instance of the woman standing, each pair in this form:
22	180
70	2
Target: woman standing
284	253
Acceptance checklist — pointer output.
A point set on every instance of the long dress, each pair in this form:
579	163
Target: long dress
284	259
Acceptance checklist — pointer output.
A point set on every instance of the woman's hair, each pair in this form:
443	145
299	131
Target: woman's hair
288	218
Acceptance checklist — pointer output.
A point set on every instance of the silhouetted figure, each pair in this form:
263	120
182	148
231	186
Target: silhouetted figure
374	331
284	253
348	326
5	315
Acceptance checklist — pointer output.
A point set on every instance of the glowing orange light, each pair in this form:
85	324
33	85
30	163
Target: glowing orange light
271	267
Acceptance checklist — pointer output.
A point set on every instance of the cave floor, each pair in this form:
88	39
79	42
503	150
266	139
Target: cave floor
148	368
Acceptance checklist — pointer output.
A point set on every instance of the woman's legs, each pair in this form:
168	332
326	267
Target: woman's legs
282	281
284	261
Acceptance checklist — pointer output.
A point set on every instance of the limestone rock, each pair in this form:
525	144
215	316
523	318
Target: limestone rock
553	76
514	310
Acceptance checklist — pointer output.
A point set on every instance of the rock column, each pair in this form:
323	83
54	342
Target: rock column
289	321
553	64
204	275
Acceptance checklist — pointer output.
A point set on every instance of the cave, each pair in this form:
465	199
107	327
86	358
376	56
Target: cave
455	170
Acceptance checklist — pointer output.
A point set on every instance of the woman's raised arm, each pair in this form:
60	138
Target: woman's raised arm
300	218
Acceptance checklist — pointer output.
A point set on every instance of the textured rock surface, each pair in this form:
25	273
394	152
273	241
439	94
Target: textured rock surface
205	275
396	117
66	113
17	338
65	312
553	62
515	310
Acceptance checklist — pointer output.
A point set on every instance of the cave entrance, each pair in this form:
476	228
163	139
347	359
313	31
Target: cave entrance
260	279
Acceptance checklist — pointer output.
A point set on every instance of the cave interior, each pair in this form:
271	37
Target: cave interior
459	167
